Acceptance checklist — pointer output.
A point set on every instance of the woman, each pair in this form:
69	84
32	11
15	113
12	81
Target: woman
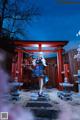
39	66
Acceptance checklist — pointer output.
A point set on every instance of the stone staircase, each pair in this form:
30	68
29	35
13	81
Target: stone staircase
43	108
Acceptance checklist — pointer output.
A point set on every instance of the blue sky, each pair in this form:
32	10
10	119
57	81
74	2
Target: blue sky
58	21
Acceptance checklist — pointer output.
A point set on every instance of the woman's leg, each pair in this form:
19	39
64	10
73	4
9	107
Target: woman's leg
40	85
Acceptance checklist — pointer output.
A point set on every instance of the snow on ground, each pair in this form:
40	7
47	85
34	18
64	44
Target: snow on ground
70	110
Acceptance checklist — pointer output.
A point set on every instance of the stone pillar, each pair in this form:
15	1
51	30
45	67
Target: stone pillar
66	71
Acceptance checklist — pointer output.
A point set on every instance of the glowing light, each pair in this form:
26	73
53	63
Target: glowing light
41	53
78	34
36	45
45	45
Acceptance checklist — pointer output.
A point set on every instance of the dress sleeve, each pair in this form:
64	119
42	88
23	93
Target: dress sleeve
34	62
44	62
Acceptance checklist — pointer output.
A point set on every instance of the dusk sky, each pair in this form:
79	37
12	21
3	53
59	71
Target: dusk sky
58	21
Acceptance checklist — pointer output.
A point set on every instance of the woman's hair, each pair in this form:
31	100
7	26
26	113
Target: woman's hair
41	55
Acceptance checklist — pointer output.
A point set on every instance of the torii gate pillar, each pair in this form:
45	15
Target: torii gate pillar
19	65
59	66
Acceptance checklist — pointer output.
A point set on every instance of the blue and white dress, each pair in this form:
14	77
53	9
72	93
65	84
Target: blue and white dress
39	67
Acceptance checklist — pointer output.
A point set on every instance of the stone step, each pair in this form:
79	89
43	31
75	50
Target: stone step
44	119
38	104
41	98
37	101
43	108
45	113
39	118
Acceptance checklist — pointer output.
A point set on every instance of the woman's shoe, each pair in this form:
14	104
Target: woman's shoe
40	94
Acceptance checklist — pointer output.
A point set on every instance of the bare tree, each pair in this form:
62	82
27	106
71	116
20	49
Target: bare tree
15	13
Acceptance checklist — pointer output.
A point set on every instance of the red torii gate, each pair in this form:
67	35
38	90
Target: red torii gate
58	44
58	49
